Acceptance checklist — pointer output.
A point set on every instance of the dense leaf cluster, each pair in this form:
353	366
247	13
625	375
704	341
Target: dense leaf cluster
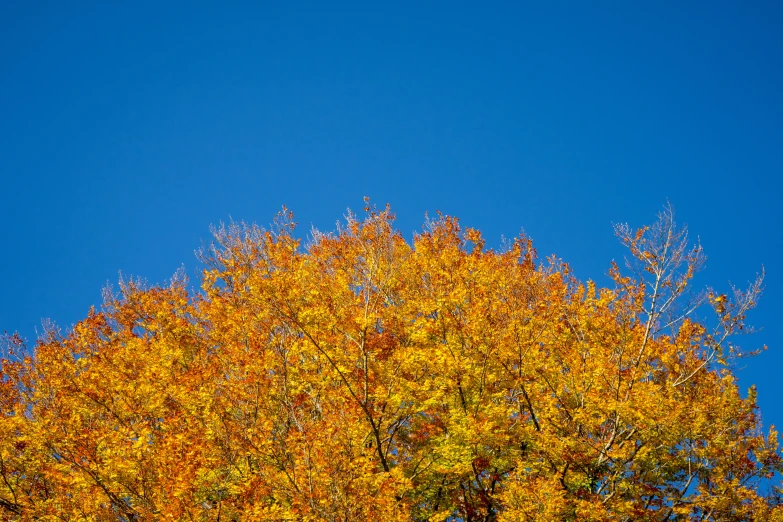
369	378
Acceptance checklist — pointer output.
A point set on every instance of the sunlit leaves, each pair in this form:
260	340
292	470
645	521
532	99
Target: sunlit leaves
364	377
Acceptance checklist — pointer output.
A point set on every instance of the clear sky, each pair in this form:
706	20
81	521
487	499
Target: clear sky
126	129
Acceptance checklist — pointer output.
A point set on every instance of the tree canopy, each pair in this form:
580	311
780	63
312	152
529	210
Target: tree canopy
365	377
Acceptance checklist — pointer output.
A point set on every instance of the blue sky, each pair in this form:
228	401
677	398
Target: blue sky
126	130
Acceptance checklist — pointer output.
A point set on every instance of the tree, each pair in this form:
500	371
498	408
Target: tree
367	378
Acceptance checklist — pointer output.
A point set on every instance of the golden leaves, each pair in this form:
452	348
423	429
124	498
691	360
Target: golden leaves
363	378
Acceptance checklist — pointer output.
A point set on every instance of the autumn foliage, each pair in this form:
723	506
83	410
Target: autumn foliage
365	377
